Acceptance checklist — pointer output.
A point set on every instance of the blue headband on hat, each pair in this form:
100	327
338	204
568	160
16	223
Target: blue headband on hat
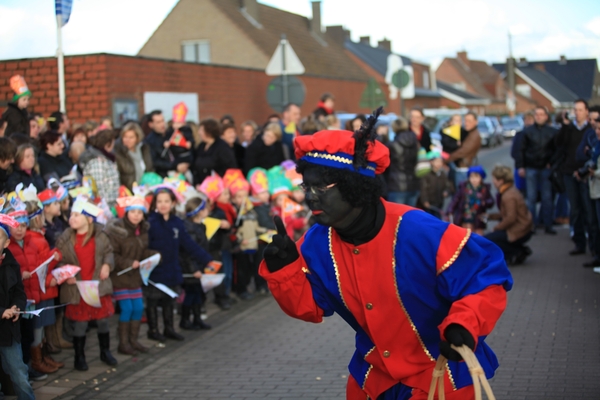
196	210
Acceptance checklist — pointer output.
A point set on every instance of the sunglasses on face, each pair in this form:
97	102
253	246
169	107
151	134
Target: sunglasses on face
316	190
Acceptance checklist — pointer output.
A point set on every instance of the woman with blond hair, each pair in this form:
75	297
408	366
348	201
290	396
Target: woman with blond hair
132	154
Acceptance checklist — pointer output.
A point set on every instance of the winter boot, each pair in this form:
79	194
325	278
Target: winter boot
124	345
134	333
168	320
78	346
198	323
185	322
37	361
58	327
152	315
105	355
51	346
48	359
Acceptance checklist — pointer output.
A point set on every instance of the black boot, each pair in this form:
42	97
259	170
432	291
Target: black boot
78	346
168	321
152	316
105	355
198	323
185	322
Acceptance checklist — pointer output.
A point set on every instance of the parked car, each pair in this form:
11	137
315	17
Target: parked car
511	125
490	135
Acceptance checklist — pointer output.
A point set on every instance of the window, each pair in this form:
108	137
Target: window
523	89
196	51
426	79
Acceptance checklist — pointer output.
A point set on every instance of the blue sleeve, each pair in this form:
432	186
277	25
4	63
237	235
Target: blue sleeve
191	247
479	265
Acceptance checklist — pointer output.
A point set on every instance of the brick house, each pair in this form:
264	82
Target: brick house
555	84
479	79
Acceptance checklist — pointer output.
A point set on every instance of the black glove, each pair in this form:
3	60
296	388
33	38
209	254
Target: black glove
457	335
282	250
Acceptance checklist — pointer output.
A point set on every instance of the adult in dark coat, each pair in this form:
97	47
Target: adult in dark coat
23	170
229	135
324	107
133	156
402	182
8	150
213	154
17	120
52	159
266	151
416	125
162	158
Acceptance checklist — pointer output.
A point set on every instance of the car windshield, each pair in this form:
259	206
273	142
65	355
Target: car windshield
511	123
484	127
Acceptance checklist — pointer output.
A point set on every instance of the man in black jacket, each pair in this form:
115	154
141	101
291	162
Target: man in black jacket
12	300
533	162
162	158
568	140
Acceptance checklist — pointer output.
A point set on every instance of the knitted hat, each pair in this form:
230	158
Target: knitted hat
258	180
18	85
354	151
477	169
212	187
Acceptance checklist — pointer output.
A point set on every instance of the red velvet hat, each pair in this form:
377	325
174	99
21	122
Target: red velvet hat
357	152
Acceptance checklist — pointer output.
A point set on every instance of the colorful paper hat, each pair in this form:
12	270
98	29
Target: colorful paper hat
27	194
133	203
232	175
167	186
48	196
278	183
6	222
288	164
335	149
179	113
477	169
433	154
81	191
19	211
239	184
18	85
61	192
151	179
83	206
71	180
196	210
212	187
258	180
89	182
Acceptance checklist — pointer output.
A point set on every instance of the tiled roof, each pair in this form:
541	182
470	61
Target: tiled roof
457	92
548	83
375	57
577	75
325	61
471	77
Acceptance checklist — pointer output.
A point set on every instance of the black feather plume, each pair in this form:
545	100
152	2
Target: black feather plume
363	136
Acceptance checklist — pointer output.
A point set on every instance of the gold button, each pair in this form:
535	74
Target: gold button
369	306
356	251
386	354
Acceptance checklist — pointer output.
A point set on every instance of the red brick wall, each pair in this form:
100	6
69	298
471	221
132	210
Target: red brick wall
94	81
536	96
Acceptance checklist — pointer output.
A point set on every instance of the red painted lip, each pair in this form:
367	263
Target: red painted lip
317	212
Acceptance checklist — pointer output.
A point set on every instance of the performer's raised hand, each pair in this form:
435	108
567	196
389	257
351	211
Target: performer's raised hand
457	335
282	250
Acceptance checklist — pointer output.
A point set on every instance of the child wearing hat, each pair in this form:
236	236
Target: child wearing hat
54	225
196	209
280	189
435	186
85	244
220	245
12	300
471	201
16	114
129	240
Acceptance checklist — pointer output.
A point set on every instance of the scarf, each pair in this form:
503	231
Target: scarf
366	226
322	105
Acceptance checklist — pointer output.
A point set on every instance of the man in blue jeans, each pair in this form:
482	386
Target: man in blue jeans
12	300
533	162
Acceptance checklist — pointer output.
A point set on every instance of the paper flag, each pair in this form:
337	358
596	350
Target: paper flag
453	131
65	272
267	237
213	267
211	281
212	226
41	271
164	288
38	312
178	140
147	266
289	207
89	292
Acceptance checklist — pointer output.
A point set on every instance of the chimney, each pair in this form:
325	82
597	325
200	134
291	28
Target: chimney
365	40
385	44
250	10
462	56
522	62
338	34
315	24
563	60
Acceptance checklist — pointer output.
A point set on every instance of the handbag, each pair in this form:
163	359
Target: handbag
477	373
557	181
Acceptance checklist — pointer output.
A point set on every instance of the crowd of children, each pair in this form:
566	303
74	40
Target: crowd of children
226	219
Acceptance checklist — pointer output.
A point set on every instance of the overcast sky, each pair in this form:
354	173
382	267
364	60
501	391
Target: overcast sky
426	30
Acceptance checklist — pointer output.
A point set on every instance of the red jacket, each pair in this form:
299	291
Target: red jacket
35	251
